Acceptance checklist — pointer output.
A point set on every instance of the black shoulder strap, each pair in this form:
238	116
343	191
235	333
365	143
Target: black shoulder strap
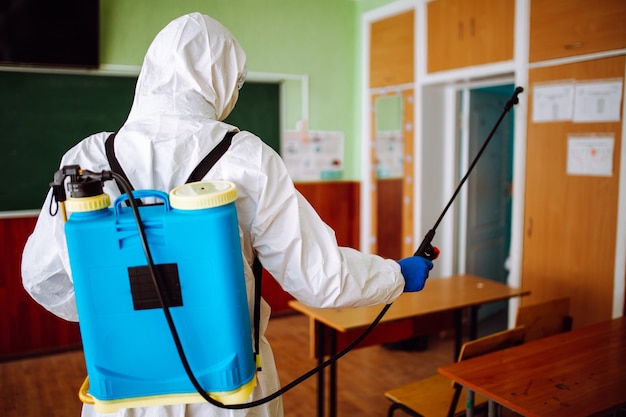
198	173
109	146
207	163
257	269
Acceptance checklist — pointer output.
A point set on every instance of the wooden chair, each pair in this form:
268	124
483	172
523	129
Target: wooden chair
545	318
437	395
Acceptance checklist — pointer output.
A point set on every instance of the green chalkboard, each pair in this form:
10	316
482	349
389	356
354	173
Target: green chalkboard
42	115
257	111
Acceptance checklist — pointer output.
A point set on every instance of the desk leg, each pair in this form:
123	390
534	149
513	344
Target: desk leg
469	406
320	331
458	338
333	375
473	322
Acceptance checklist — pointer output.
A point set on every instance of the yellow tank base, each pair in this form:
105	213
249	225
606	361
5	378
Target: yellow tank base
238	396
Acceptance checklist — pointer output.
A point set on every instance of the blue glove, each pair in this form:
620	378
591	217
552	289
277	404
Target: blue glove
415	272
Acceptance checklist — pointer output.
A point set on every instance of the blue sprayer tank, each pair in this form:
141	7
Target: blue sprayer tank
129	351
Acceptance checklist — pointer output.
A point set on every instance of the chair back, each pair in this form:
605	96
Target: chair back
545	318
493	342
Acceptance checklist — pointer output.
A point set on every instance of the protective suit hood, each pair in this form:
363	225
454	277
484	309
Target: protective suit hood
192	67
188	84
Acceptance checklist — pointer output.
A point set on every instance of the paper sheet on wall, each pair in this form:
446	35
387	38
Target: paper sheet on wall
313	155
590	155
598	101
553	102
389	154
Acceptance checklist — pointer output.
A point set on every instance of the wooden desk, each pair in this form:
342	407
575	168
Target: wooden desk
455	293
578	373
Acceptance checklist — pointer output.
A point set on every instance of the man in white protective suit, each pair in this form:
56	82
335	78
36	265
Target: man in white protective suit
188	83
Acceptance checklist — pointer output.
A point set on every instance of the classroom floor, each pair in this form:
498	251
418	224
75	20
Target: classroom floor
48	385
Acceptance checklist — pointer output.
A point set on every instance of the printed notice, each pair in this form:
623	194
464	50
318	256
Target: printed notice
590	155
389	154
598	101
553	102
311	156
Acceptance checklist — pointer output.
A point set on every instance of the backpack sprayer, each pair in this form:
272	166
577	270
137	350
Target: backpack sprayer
156	259
182	258
129	364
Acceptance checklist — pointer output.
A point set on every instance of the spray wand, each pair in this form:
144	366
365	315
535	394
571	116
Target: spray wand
426	249
85	183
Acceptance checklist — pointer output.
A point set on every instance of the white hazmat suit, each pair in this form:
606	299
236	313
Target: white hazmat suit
188	84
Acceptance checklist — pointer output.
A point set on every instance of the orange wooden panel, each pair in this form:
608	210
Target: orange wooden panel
570	221
575	27
445	36
408	194
392	50
463	33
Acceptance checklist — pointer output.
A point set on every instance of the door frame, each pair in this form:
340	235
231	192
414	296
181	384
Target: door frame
463	158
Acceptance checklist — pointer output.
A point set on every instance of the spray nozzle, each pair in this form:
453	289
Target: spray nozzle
82	183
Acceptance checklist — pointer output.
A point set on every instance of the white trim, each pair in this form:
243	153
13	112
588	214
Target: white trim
577	58
419	30
463	164
391	89
109	70
522	35
449	182
388	10
468	73
619	279
17	214
365	229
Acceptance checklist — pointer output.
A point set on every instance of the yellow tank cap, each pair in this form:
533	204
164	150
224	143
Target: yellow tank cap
202	195
85	204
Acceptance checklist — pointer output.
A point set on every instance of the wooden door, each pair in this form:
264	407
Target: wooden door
489	189
570	221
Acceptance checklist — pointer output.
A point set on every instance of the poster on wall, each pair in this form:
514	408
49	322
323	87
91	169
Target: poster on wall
598	101
577	101
590	155
313	155
553	102
389	155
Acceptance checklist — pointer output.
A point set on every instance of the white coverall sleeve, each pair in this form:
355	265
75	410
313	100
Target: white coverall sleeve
45	266
302	253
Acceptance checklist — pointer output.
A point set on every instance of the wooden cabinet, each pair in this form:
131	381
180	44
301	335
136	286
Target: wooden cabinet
575	27
570	220
463	33
392	50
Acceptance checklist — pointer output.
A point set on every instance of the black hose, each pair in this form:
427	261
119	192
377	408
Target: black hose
183	357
